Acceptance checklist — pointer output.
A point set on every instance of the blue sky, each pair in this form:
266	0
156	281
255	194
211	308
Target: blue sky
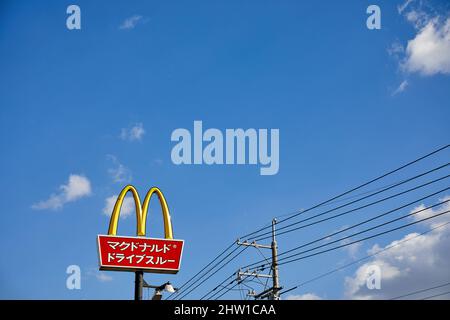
69	98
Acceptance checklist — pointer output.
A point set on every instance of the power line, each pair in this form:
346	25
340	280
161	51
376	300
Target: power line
329	201
436	295
221	267
338	200
203	281
222	287
218	286
218	297
229	289
193	277
361	194
360	232
353	189
348	211
420	291
366	238
216	294
359	224
219	293
363	239
273	291
396	244
178	292
361	207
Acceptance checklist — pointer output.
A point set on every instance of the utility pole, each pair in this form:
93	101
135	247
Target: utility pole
276	280
271	293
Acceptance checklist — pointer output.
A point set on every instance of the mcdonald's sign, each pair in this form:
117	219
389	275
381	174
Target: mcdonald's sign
140	253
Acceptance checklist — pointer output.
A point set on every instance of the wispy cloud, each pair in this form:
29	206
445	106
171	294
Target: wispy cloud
128	206
403	6
119	172
352	249
395	50
135	133
401	87
306	296
102	277
131	22
77	187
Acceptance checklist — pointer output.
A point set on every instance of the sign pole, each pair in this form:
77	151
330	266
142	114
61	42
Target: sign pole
138	285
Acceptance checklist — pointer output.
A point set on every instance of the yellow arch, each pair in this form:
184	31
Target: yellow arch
141	212
168	234
114	221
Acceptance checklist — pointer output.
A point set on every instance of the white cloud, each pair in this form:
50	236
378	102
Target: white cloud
131	22
418	263
119	173
77	188
135	133
128	206
102	277
429	52
306	296
401	87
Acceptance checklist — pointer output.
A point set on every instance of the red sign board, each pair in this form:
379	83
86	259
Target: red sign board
139	253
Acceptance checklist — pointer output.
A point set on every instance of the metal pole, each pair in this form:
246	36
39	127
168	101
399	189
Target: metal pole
138	285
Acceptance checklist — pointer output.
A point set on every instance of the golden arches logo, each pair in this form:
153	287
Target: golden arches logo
141	211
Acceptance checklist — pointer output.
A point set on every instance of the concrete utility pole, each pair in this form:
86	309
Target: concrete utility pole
276	280
271	293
